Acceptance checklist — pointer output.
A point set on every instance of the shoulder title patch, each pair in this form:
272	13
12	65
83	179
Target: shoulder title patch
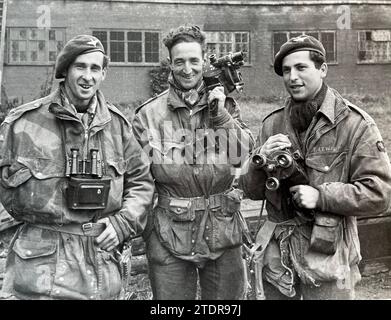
380	146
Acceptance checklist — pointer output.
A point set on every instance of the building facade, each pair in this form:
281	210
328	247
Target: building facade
356	34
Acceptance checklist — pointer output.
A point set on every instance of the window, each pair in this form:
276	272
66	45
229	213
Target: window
221	43
327	38
33	45
130	46
374	46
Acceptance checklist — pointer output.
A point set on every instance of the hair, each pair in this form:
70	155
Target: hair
317	58
106	61
185	33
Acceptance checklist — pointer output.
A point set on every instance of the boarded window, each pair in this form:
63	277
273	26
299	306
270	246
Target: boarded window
33	45
374	46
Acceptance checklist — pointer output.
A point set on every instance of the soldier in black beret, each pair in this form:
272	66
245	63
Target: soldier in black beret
310	243
83	187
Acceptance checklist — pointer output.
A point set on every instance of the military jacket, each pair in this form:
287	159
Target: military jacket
186	163
33	141
345	160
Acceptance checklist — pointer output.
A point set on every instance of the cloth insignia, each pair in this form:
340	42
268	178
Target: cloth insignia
380	146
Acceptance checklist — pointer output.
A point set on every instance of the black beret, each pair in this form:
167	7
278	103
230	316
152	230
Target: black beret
300	43
76	46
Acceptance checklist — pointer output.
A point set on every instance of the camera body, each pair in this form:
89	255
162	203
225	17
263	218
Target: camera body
225	71
87	189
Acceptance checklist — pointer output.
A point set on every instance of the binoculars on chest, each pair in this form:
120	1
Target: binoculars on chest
87	189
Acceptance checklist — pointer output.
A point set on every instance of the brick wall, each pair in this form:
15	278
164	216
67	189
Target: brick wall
129	83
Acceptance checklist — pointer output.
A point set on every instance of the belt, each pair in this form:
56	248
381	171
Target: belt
88	229
197	203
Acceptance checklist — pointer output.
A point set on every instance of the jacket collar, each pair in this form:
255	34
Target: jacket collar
174	101
64	110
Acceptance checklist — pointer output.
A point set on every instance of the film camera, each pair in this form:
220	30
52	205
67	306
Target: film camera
87	189
281	165
225	71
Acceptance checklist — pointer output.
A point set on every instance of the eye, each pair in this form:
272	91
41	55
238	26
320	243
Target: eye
301	68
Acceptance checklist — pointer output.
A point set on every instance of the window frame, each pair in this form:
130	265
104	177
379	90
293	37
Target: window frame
309	32
233	42
358	47
47	62
126	46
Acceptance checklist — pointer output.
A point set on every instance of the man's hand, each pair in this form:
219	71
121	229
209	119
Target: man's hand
305	196
108	239
218	95
277	142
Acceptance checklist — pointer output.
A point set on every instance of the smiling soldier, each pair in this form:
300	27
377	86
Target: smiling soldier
195	230
72	172
342	171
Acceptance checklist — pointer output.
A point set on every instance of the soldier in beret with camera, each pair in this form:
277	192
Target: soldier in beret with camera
194	228
73	173
312	249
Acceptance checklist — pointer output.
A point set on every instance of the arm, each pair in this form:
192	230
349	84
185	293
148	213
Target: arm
369	189
225	119
137	196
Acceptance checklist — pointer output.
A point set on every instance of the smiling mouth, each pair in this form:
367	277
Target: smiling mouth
296	86
85	86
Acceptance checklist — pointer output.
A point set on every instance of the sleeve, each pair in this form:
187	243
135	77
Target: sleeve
230	126
368	191
138	191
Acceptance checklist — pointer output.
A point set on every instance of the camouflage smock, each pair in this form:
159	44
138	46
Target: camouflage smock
185	166
347	163
50	264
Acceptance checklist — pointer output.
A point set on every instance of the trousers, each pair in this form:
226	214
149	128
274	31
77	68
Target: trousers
176	279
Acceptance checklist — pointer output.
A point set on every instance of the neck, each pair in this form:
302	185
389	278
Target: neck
80	105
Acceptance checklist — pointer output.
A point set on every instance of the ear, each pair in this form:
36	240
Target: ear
323	70
104	72
169	62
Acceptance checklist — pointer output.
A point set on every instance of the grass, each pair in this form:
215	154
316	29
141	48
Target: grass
253	110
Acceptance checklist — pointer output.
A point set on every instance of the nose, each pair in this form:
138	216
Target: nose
87	75
293	75
187	68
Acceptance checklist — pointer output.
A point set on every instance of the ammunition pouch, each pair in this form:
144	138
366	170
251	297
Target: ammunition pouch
87	193
326	233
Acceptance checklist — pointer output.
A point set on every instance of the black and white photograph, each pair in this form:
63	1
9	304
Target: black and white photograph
218	151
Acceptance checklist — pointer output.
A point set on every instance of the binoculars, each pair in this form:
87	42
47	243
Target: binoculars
87	190
281	165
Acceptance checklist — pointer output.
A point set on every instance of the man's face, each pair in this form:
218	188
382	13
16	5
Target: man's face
301	78
84	77
187	63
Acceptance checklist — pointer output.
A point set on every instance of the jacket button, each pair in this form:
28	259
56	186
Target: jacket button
207	227
193	253
192	240
327	168
178	209
61	279
206	238
28	252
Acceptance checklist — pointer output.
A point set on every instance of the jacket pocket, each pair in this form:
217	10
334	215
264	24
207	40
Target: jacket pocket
34	266
174	227
33	185
116	168
227	231
326	167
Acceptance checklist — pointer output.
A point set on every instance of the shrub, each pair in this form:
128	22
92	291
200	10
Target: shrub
159	76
